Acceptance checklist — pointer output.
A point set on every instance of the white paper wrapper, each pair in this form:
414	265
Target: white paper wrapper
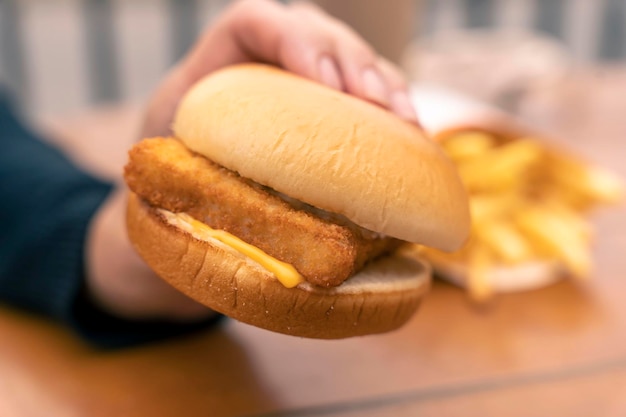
506	279
440	109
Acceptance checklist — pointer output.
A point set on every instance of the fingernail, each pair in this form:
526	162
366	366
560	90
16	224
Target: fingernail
374	87
329	73
402	106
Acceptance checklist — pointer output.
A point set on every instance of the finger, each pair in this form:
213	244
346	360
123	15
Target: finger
355	59
290	43
364	73
400	101
328	72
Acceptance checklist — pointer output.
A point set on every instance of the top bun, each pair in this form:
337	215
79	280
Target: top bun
328	149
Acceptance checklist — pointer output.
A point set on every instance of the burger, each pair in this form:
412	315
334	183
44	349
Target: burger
293	207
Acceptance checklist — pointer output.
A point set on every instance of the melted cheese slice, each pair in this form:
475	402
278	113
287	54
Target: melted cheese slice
284	272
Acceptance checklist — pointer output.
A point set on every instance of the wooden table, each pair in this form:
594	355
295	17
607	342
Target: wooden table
559	351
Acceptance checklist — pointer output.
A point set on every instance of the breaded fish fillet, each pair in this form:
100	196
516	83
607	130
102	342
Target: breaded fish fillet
166	174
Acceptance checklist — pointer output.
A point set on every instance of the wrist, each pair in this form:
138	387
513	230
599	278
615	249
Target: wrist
119	282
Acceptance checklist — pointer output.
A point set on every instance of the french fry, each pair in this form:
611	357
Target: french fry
468	144
439	257
501	168
480	264
587	185
489	206
486	207
555	235
574	219
505	241
604	187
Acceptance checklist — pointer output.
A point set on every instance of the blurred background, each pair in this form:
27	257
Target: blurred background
60	56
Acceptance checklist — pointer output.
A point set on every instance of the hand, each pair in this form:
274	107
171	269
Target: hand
118	280
299	38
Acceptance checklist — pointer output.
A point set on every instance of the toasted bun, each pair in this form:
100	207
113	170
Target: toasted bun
328	149
381	298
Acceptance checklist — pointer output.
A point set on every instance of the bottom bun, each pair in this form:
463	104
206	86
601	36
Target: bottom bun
504	278
380	298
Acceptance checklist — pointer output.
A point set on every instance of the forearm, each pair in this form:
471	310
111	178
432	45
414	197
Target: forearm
49	213
45	208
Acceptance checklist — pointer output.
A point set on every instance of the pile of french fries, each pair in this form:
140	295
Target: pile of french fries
529	203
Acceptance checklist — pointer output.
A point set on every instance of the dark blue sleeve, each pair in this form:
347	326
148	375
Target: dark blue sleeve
46	204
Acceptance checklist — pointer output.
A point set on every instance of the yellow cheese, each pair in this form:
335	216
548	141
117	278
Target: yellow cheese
284	272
